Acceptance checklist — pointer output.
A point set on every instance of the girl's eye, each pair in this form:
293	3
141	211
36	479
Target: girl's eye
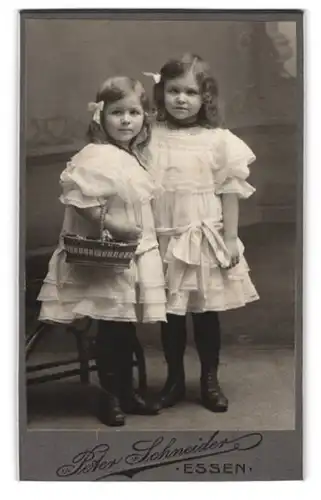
192	92
135	112
116	112
173	90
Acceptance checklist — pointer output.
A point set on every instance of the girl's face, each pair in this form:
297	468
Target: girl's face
182	97
123	119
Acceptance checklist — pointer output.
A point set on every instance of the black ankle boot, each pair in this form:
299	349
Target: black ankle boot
174	390
139	405
109	411
207	336
212	396
173	336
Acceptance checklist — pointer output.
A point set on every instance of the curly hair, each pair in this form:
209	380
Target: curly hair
209	115
112	90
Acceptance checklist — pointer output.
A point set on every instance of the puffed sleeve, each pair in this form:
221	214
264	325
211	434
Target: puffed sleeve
235	158
89	177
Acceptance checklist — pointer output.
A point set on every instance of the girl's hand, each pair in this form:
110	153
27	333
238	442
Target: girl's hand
125	231
231	245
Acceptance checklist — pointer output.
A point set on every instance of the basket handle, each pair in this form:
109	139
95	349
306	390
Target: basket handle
102	220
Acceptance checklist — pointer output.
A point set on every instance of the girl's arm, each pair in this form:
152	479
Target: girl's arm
230	207
92	214
120	231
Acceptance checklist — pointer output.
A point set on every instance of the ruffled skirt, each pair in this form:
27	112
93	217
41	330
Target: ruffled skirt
196	274
71	291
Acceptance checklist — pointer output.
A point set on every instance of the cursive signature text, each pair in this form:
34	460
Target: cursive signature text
157	452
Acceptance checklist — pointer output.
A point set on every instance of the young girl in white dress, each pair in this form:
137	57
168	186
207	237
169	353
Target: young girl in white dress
110	169
200	169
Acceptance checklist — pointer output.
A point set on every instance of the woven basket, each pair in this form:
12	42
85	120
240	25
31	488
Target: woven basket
103	252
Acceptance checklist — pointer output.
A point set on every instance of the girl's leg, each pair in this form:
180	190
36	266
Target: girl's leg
173	336
131	401
207	334
108	369
115	343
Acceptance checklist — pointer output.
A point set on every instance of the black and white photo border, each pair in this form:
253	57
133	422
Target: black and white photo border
63	455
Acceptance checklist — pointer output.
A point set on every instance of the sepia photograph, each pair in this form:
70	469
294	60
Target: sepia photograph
161	174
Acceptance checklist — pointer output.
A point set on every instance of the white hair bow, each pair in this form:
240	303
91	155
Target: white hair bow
155	76
96	108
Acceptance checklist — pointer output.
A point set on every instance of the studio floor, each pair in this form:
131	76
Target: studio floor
258	382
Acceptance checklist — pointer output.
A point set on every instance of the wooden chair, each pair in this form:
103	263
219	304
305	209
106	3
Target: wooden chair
84	358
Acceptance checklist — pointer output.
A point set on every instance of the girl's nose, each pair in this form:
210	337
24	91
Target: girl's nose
181	98
125	119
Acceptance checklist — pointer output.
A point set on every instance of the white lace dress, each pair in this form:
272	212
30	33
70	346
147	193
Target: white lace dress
192	168
72	291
